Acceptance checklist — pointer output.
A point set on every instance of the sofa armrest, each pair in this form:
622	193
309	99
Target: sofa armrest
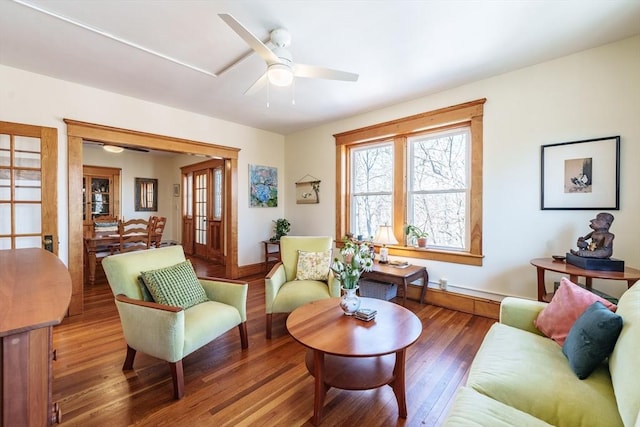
272	283
230	292
520	313
152	328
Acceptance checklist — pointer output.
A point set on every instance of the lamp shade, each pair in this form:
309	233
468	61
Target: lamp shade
280	74
112	148
385	236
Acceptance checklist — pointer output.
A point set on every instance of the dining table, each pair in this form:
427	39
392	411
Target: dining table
98	243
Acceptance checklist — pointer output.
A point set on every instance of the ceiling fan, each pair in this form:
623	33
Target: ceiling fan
281	69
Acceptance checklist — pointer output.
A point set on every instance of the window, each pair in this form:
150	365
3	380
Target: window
146	194
371	188
438	190
424	170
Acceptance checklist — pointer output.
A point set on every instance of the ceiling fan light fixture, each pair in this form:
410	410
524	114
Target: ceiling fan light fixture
112	149
280	75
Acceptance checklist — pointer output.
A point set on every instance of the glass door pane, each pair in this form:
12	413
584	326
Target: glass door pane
28	186
200	194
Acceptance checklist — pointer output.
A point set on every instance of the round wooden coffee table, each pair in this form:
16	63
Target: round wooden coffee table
352	354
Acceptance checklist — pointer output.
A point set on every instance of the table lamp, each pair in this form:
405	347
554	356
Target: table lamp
385	237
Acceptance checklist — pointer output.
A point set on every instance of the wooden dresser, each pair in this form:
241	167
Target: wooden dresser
35	291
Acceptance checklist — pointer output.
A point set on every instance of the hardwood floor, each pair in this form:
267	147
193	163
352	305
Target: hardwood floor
265	385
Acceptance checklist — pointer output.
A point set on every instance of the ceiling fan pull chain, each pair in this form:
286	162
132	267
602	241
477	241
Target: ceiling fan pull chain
268	91
293	92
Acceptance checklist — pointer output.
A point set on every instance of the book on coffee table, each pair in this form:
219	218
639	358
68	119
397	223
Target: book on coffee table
365	314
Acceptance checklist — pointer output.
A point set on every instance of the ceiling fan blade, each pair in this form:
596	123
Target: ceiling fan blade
259	84
246	35
315	72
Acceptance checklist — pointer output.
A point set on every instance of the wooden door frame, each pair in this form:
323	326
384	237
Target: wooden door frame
78	131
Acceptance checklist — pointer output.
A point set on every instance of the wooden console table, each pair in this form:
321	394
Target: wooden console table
630	275
36	290
273	255
401	276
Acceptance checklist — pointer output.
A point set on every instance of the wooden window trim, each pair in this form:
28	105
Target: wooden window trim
469	113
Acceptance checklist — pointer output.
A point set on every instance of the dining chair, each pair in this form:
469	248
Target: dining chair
102	225
134	235
156	228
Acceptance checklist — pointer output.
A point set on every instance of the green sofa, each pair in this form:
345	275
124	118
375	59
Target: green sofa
521	378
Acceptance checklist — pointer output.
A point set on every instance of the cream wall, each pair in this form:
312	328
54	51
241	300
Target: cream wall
39	100
591	94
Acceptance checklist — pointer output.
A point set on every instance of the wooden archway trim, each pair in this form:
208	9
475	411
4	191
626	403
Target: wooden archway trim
78	131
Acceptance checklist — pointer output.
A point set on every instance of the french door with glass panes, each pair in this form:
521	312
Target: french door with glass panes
203	198
28	187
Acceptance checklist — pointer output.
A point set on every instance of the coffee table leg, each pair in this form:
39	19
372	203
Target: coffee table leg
398	384
320	388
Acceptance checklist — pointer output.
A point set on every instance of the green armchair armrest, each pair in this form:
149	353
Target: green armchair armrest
154	328
230	292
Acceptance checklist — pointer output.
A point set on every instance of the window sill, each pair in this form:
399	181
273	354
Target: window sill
437	255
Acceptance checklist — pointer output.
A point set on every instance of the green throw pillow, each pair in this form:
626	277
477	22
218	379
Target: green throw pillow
591	339
146	295
177	285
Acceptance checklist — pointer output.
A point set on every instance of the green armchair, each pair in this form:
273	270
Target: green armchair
167	332
283	293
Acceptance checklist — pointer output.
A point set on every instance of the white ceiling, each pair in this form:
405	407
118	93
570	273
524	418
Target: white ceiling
401	49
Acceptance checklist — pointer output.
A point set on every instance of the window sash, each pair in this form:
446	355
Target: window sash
443	233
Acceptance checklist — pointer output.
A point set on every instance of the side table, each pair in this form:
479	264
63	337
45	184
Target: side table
630	275
401	276
273	255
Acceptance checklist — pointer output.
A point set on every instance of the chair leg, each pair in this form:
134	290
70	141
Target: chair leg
244	342
128	361
269	319
177	375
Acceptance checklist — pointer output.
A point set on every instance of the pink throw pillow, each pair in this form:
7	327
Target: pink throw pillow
568	303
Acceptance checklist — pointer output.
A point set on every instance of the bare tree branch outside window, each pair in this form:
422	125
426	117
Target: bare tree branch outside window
372	188
438	186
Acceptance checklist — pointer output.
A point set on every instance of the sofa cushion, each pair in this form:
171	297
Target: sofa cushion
176	285
530	373
624	362
568	303
474	409
313	265
591	339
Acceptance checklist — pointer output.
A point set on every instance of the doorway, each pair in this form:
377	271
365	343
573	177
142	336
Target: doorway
203	202
79	131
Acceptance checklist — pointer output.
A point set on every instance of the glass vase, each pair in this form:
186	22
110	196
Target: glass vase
350	302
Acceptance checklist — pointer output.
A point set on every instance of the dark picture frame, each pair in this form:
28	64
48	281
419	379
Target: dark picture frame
581	175
146	195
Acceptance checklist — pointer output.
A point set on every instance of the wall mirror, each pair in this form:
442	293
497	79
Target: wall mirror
146	194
